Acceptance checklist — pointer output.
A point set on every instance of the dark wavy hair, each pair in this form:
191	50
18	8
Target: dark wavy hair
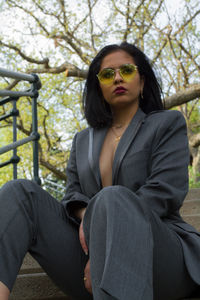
97	111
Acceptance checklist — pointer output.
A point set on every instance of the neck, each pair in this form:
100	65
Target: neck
123	115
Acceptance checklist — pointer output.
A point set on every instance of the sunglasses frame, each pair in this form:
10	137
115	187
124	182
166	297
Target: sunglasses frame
114	73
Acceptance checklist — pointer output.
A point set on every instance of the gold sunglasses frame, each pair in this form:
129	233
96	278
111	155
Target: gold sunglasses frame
114	73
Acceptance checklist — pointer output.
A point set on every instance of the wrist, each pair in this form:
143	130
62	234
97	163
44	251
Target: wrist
80	213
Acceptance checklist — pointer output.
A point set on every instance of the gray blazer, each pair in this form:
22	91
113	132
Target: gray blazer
152	161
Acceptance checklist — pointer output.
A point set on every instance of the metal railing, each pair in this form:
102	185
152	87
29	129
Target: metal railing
13	96
55	189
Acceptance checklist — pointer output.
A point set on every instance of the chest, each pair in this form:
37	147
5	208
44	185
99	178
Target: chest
106	159
126	163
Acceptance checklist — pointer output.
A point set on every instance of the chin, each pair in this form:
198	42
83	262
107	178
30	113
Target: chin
123	104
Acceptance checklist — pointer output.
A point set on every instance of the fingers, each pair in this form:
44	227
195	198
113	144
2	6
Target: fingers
87	278
82	239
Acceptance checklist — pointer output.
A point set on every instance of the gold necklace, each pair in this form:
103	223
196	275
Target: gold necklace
117	137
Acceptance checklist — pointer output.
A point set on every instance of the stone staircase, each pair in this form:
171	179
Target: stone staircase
191	208
33	284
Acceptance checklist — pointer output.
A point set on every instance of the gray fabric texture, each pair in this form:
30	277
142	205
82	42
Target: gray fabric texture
152	162
140	248
33	221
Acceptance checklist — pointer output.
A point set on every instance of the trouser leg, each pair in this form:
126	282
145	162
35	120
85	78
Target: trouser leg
31	220
134	255
170	276
119	235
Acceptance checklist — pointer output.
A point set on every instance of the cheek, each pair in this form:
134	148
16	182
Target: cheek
136	87
105	92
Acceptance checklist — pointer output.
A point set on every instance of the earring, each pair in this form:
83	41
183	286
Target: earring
141	94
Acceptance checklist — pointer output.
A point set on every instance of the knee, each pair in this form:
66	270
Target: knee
109	198
118	198
18	184
108	195
113	191
17	191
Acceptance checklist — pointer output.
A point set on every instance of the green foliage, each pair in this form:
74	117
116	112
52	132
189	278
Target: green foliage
192	179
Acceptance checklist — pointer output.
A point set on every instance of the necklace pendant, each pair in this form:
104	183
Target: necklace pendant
117	139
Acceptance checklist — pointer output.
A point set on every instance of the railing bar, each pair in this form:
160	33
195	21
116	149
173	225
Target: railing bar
53	183
6	116
52	189
4	93
17	144
6	100
16	75
5	163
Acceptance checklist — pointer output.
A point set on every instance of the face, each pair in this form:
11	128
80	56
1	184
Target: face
120	92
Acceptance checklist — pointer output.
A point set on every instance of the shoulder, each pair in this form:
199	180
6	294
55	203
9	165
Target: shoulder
83	132
165	118
82	135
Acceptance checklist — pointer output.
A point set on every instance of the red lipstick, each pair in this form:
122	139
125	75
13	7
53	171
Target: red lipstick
120	90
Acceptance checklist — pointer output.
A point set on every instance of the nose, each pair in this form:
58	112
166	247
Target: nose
118	77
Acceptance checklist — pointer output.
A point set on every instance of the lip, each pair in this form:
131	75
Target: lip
120	90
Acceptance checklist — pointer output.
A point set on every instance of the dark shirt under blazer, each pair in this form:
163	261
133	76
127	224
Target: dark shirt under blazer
152	161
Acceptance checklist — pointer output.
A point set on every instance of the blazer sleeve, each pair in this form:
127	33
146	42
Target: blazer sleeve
74	198
167	184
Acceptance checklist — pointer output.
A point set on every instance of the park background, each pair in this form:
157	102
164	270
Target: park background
57	39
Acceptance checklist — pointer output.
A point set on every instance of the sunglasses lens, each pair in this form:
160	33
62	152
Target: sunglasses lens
128	72
106	76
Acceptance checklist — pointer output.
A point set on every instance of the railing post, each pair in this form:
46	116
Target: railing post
15	159
35	86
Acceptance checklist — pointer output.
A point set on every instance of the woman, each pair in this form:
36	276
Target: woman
127	179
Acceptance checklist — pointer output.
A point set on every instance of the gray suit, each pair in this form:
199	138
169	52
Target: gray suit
139	247
150	182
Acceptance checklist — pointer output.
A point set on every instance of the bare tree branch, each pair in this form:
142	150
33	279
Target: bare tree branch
183	96
45	61
178	61
71	70
128	25
182	27
76	48
195	140
30	14
53	169
91	25
188	54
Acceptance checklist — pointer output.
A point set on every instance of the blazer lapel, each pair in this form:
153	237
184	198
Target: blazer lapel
96	139
125	142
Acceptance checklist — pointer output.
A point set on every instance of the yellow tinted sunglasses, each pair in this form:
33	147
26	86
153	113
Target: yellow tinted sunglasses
127	72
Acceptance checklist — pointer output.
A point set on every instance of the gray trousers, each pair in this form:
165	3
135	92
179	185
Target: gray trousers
117	232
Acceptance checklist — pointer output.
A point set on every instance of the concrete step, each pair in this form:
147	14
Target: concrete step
193	194
30	266
194	220
36	286
191	207
33	283
190	210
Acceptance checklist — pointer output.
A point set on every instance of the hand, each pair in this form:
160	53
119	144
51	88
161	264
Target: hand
82	239
87	278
